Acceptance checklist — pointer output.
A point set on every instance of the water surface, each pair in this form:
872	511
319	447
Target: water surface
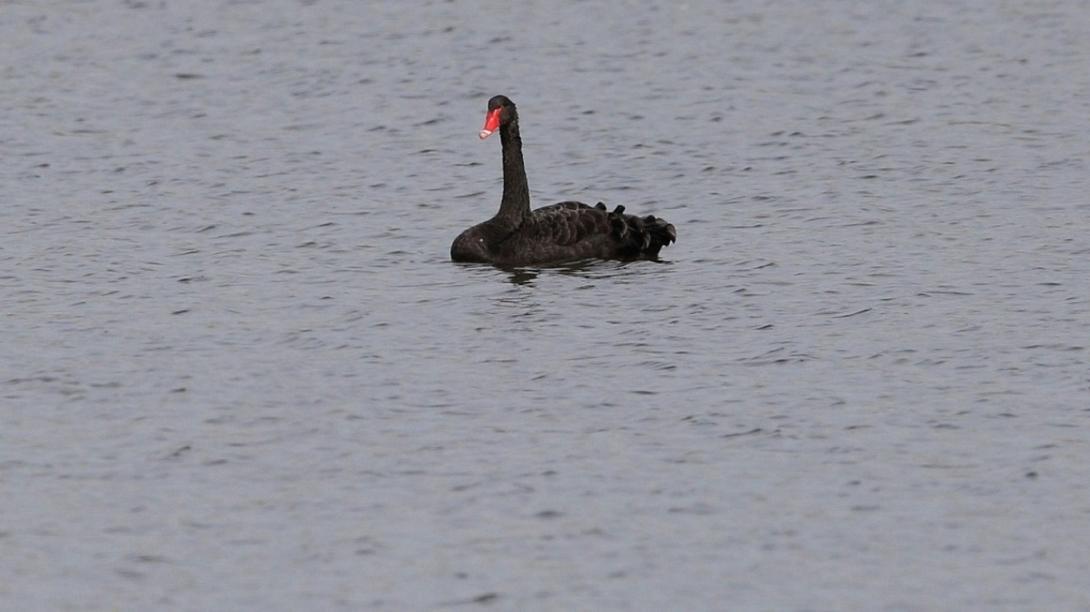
239	371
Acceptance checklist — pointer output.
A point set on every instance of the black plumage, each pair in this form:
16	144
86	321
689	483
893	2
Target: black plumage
558	233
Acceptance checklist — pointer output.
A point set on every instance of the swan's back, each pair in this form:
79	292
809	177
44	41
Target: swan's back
572	230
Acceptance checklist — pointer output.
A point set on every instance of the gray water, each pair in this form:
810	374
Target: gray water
239	371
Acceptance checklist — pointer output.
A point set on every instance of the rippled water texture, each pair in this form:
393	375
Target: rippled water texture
239	371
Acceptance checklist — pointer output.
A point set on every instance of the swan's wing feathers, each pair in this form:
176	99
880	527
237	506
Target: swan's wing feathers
571	230
567	223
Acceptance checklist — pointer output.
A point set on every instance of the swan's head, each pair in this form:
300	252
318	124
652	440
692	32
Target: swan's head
501	111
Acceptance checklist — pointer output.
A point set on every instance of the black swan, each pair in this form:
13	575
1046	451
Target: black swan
559	233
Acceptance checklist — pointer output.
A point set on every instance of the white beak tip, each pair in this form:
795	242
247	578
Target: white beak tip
485	134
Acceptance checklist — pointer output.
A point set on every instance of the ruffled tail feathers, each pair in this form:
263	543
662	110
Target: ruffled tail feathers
645	236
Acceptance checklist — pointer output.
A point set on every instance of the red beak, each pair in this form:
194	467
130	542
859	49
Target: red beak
491	123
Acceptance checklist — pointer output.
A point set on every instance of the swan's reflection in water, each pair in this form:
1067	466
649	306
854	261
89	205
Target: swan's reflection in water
535	292
590	269
522	276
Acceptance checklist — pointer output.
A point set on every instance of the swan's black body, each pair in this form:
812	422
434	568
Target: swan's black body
553	234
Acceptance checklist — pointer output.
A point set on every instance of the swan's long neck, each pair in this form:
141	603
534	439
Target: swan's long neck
515	204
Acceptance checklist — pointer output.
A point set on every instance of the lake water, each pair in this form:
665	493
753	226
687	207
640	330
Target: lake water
239	372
